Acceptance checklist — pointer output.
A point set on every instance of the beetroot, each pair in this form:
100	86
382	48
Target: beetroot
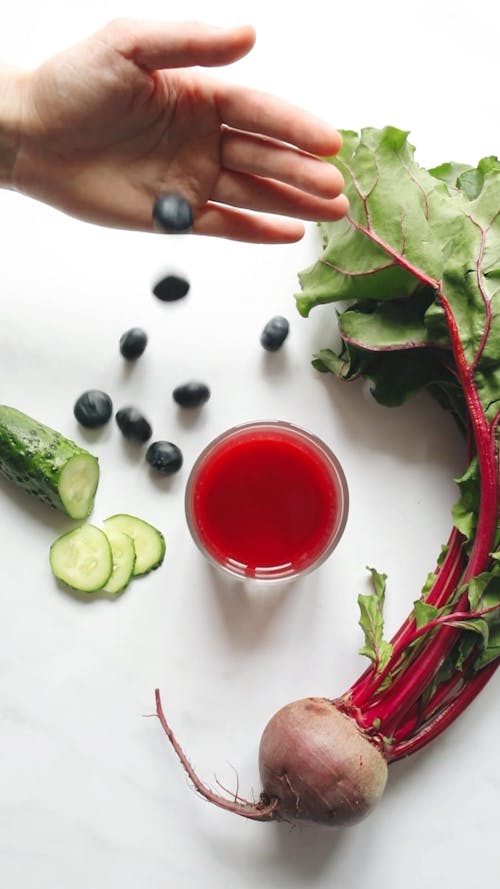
315	765
319	765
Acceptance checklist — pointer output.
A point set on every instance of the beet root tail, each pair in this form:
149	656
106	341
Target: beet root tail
263	810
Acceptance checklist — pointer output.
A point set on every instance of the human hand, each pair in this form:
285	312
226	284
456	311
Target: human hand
111	123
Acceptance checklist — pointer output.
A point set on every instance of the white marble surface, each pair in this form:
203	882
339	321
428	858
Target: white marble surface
91	795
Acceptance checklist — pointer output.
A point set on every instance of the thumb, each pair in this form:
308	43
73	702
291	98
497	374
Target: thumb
155	45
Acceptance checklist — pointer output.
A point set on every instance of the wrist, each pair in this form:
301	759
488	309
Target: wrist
11	91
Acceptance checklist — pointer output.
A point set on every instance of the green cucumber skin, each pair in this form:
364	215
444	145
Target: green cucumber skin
33	455
126	523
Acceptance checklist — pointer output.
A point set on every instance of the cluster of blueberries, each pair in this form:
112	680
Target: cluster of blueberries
171	215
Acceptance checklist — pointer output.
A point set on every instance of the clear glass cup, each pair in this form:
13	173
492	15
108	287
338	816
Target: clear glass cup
266	501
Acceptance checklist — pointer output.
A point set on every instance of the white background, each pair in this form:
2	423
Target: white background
91	794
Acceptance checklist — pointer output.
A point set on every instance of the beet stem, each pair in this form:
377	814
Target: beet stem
363	692
406	689
442	695
399	698
445	717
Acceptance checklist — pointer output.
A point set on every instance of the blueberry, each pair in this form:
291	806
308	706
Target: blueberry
133	424
192	394
164	457
93	408
133	342
172	214
275	333
170	288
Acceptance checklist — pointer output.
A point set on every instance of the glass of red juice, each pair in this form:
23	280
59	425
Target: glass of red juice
266	501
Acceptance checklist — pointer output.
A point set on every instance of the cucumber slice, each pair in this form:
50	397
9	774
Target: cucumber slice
47	465
149	543
123	555
82	559
77	485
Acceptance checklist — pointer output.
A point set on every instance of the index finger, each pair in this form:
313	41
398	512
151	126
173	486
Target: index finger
263	113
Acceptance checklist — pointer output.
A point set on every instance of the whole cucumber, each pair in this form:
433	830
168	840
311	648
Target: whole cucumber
47	465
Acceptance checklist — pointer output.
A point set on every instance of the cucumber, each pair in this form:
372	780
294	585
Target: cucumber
123	556
93	560
149	543
44	463
82	558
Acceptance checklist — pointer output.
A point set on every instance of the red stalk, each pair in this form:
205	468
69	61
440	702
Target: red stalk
447	578
387	711
406	689
444	717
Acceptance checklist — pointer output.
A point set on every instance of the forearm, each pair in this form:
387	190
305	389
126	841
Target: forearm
11	80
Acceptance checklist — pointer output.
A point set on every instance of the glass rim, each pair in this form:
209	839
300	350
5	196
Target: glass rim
272	574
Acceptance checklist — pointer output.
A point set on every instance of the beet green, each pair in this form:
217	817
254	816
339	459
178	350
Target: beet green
417	262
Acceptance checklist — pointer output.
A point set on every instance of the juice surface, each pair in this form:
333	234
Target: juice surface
265	499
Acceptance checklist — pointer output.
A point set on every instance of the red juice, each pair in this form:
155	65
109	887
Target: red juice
266	500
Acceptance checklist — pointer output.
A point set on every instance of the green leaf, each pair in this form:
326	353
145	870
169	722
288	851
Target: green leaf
347	365
436	326
466	508
492	651
474	625
398	375
471	181
392	196
372	622
429	583
409	231
479	642
476	589
443	553
484	592
449	172
388	325
424	613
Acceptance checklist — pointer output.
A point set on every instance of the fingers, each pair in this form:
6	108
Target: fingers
158	45
266	197
224	222
256	112
270	196
264	157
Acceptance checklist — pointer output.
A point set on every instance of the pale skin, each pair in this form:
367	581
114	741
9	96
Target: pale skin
103	128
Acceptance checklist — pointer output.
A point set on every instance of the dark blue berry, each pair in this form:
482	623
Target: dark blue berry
275	333
133	342
133	424
192	394
164	457
93	408
172	214
170	288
